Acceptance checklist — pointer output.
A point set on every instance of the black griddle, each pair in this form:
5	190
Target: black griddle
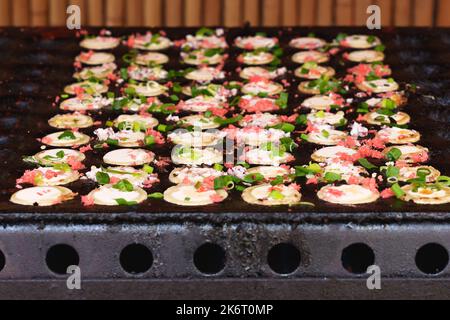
37	63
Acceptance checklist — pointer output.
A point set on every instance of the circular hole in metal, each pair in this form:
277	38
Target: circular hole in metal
136	258
357	257
284	258
2	260
210	258
432	258
60	257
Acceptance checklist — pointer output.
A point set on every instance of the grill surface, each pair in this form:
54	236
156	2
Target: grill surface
35	64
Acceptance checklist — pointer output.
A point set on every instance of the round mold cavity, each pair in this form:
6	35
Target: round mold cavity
210	259
356	258
136	258
284	258
432	258
60	257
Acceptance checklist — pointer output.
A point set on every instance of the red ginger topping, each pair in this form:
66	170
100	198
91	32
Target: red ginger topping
75	164
87	201
387	193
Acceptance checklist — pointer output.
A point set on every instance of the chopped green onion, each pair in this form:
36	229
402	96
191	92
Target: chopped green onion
102	177
302	119
394	154
112	142
423	172
392	171
331	177
124	186
277	181
149	140
277	195
67	135
123	202
397	190
60	154
282	101
156	195
223	182
253	178
222	121
444	180
366	164
286	127
392	180
148	169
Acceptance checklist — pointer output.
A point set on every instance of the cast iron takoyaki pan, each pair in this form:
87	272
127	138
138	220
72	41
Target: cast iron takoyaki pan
36	64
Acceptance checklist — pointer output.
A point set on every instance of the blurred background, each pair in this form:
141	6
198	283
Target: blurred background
224	12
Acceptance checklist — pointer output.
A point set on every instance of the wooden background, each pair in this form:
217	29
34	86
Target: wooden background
224	12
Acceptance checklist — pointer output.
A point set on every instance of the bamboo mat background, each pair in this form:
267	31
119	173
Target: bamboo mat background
224	12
